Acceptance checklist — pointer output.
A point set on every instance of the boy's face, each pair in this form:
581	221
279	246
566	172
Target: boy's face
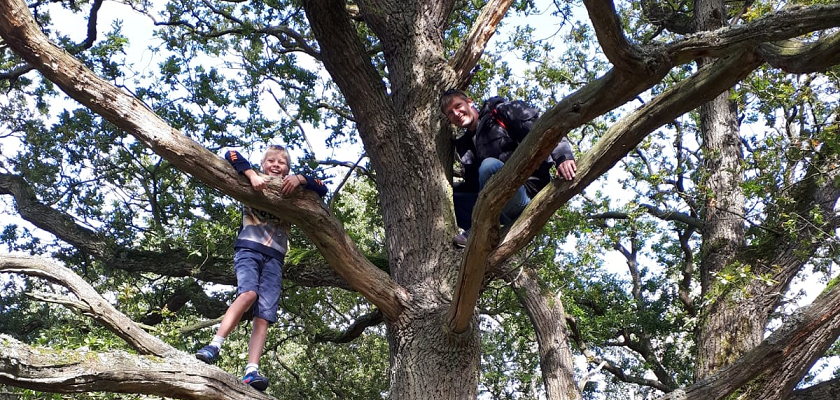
275	163
461	113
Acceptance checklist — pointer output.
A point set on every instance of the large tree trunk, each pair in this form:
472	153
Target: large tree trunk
428	361
730	326
400	134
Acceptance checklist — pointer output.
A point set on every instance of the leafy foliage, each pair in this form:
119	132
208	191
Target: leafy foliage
244	74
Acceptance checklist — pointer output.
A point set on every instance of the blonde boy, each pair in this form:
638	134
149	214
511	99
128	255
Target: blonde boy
259	252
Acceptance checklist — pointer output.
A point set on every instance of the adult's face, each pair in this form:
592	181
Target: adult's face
461	113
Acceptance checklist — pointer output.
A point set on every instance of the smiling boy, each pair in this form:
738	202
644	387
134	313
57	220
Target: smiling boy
259	252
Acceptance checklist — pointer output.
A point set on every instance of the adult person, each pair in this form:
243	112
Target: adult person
490	135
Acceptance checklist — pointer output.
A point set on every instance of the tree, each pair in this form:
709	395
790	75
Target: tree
387	62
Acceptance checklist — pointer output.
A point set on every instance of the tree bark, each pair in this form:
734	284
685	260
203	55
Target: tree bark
549	319
432	325
429	361
828	390
732	325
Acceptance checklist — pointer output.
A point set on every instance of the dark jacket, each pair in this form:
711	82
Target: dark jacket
465	149
502	125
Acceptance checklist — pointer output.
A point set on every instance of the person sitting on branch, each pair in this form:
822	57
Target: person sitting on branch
489	137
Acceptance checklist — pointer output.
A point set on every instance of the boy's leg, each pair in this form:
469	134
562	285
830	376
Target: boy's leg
464	203
265	313
255	348
515	204
246	263
233	315
257	342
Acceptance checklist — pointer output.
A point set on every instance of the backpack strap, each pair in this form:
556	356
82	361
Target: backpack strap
499	120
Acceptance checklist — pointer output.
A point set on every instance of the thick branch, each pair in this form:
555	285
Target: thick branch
21	33
621	139
173	262
778	26
79	371
90	303
621	53
800	58
810	330
465	58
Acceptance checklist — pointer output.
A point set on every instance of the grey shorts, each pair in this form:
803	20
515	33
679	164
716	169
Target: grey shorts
261	274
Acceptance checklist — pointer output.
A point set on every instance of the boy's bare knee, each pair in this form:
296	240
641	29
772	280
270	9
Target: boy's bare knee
249	296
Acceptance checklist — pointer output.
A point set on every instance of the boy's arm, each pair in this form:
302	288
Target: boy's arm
243	166
290	182
240	163
315	185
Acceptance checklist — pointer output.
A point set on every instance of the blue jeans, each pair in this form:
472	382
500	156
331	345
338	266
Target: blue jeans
516	204
464	204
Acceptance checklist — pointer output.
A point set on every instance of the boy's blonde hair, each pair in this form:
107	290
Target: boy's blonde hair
278	148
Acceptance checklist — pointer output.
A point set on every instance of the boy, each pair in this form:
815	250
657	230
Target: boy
258	260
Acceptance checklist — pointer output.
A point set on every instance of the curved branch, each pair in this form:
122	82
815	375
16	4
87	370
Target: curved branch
89	303
355	330
621	53
173	262
79	371
465	58
808	333
620	139
302	208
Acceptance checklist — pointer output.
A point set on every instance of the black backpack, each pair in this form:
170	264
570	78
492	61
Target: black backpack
502	126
